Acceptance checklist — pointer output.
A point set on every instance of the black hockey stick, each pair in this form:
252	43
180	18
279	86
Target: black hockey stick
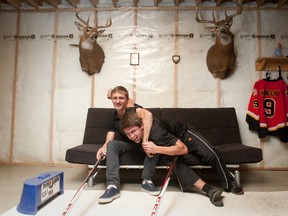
163	189
81	188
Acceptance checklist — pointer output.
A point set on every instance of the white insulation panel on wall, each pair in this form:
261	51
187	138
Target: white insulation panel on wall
33	90
196	86
153	78
117	44
8	23
237	89
72	88
43	110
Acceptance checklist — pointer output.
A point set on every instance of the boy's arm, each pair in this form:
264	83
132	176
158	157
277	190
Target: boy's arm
178	149
110	136
147	119
130	103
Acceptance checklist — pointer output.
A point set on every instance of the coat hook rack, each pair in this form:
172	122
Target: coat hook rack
272	63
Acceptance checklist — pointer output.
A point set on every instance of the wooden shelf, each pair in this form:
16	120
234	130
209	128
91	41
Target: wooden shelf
271	63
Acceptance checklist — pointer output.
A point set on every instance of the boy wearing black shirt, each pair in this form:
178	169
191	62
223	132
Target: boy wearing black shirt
175	139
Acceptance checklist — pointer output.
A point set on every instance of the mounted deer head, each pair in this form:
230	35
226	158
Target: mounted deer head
221	56
91	54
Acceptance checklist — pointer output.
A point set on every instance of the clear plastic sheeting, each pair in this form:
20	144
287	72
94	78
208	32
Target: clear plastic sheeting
45	95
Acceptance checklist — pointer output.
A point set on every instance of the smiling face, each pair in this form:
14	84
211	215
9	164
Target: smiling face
134	133
119	100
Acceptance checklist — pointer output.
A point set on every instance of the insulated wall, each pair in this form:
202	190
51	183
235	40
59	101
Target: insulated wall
44	95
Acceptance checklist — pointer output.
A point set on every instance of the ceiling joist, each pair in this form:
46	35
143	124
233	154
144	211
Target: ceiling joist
15	3
54	3
177	2
33	3
157	2
18	4
94	2
74	3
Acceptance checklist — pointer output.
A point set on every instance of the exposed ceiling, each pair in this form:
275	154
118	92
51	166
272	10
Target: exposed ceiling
56	4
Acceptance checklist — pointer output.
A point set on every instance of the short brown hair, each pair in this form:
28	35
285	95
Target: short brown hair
130	119
120	89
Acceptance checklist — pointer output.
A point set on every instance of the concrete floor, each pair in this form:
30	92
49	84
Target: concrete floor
13	177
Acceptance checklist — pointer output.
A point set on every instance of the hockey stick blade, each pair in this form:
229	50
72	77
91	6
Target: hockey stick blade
163	189
81	188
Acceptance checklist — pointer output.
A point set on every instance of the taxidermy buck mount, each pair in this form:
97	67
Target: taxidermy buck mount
91	54
221	57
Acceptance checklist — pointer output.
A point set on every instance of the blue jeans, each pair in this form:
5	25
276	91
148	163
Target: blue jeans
115	149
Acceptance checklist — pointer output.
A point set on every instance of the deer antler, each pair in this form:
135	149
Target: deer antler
238	11
108	24
202	20
84	22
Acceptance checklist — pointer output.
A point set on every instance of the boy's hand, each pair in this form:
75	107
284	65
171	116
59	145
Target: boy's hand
109	94
101	151
149	148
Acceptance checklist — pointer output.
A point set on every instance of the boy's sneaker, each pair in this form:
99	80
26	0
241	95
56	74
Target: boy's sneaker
110	194
148	187
215	197
235	188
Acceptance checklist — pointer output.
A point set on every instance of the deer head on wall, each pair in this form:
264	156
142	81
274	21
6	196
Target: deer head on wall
91	54
221	57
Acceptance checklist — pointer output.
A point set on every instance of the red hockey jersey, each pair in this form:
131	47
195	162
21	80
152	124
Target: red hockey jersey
268	109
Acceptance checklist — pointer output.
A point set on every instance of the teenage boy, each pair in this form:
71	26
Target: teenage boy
173	139
112	149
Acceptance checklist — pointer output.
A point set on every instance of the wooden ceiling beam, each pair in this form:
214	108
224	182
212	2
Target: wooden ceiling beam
280	3
34	3
219	2
156	2
54	3
245	1
15	3
262	2
177	2
94	2
74	3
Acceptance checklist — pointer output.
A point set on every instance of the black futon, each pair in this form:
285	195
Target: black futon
218	125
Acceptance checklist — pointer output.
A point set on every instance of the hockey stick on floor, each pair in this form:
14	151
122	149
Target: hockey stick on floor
163	189
81	188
